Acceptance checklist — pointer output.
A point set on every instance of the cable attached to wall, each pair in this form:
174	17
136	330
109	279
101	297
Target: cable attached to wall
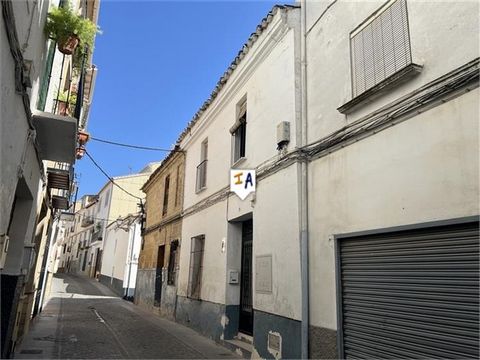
111	179
139	147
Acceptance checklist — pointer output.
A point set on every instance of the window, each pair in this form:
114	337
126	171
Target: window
380	46
172	263
239	132
165	195
202	167
107	196
177	187
196	265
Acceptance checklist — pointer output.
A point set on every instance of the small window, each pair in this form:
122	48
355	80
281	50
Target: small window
107	196
165	195
172	263
239	132
196	266
380	46
177	187
202	167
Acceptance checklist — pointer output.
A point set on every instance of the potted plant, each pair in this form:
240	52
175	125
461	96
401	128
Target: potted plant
70	30
83	137
65	102
80	152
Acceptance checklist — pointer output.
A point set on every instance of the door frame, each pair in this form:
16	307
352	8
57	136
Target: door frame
241	279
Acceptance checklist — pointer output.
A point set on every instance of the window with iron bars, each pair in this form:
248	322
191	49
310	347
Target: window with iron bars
196	266
165	195
239	133
202	167
172	263
380	46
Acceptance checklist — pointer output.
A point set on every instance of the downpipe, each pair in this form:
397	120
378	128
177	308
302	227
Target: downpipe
303	190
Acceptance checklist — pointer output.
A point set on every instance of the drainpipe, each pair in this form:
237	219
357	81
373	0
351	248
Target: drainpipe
303	189
130	259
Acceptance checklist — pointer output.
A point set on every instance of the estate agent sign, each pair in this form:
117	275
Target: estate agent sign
242	182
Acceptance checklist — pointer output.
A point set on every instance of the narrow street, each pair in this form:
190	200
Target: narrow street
84	319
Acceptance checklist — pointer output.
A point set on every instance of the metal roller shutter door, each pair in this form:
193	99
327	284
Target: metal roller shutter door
411	294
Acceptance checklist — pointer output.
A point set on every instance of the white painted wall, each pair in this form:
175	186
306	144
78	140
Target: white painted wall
423	169
266	77
17	153
444	35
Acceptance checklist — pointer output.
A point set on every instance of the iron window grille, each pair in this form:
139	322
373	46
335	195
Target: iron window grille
239	133
196	266
172	263
380	46
165	195
202	167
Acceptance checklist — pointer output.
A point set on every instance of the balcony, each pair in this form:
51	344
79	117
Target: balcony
201	182
97	234
59	178
87	221
56	136
60	202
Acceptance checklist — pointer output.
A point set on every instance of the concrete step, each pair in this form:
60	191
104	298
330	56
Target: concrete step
240	347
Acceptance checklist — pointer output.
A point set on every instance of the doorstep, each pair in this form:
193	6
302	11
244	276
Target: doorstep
242	345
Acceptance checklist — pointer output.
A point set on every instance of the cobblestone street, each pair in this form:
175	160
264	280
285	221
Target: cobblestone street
84	319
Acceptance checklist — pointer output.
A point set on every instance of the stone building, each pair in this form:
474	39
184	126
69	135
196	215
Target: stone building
156	287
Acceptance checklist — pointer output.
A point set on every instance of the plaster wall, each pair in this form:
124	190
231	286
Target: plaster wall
267	79
211	223
423	169
269	101
444	35
17	154
115	252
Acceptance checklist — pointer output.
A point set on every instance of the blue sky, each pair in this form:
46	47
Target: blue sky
158	62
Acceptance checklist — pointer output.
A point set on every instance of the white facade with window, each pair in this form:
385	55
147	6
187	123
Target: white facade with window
421	166
240	127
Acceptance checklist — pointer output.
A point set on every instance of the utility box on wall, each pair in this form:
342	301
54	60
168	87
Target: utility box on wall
233	277
283	134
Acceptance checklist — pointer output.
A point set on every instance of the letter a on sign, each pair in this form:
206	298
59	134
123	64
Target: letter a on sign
242	182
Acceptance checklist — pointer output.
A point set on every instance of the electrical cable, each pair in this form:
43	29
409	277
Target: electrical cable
110	178
139	147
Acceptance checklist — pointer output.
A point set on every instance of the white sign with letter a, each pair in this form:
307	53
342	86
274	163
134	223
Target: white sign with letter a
242	182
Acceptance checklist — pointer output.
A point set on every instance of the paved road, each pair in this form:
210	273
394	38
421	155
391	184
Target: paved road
84	319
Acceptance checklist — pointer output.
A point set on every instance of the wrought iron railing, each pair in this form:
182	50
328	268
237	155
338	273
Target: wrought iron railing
201	176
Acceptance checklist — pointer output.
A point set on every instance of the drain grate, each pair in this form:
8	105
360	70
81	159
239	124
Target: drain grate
31	351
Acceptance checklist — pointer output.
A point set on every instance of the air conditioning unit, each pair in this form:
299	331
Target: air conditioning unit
4	240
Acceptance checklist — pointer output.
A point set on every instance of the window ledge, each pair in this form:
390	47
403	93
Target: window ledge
239	161
200	190
399	77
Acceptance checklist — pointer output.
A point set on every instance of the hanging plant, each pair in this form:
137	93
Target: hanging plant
66	102
73	33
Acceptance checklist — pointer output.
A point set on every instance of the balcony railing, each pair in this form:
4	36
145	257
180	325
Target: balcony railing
201	176
87	221
97	234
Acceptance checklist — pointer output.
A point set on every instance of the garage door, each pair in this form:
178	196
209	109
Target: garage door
410	294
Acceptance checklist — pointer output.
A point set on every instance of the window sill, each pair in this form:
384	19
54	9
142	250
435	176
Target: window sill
399	77
200	190
239	161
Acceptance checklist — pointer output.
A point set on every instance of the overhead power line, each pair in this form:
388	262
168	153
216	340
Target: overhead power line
110	178
139	147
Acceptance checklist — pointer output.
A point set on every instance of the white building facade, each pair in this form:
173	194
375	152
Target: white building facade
393	187
362	236
239	267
